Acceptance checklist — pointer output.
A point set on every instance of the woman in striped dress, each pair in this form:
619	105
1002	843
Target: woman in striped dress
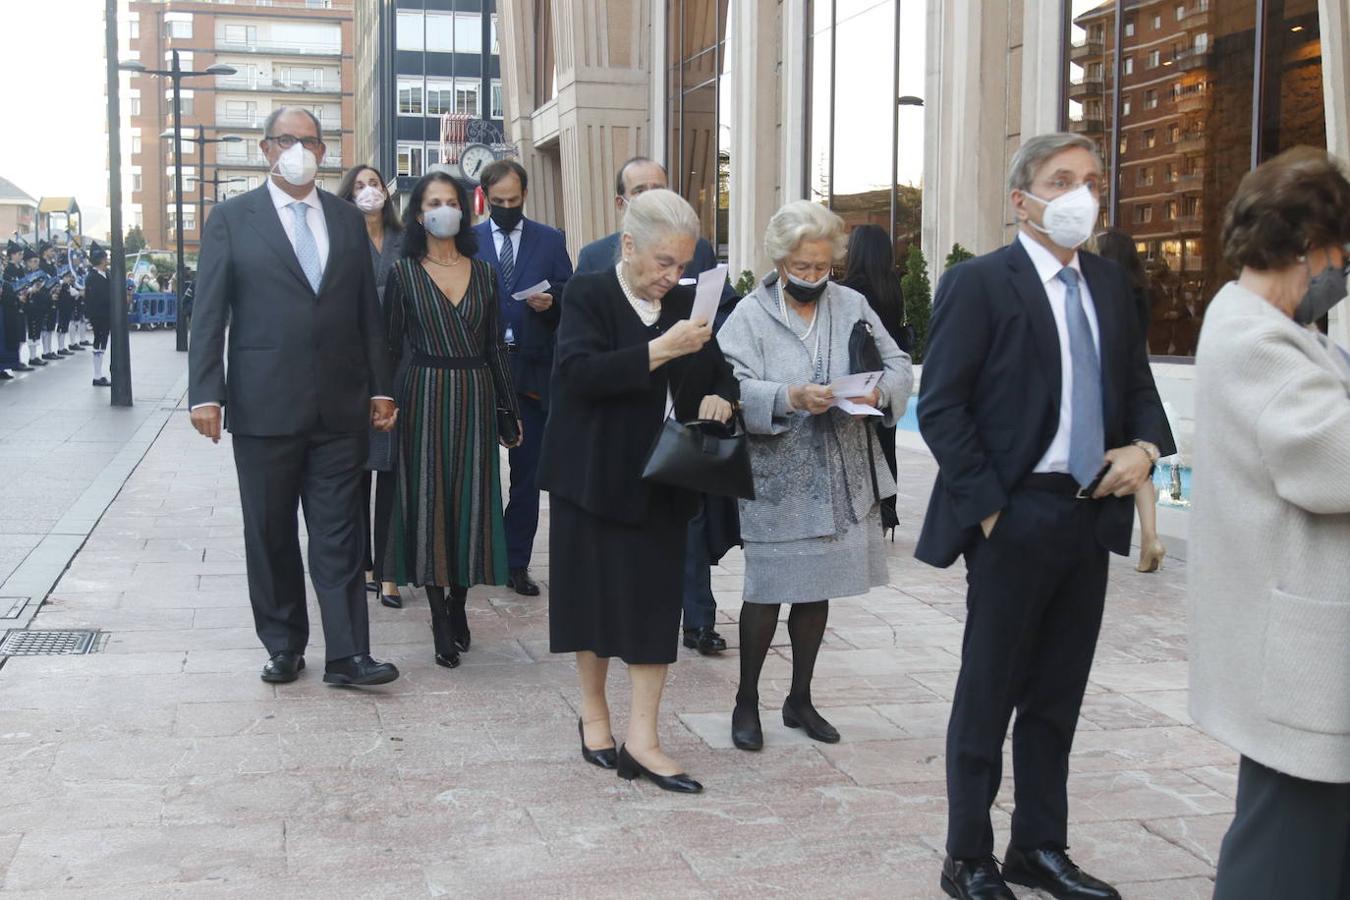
441	305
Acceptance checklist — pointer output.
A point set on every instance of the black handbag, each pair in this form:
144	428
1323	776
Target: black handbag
508	428
704	456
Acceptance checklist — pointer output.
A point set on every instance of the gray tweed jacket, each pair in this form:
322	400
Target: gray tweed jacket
792	455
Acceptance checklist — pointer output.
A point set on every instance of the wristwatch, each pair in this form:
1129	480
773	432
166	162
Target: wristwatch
1154	454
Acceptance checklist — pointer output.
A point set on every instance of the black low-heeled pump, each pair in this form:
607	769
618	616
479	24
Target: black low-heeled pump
629	768
810	721
746	732
608	758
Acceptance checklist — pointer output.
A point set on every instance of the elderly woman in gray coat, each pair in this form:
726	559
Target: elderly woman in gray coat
1270	533
813	530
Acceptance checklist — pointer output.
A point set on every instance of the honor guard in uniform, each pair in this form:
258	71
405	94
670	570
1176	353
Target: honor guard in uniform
11	312
98	304
35	307
46	298
66	298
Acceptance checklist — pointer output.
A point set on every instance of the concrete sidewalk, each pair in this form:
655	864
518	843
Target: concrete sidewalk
162	767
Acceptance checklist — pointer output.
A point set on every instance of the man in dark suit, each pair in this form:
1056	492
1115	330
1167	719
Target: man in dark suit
523	253
1035	381
286	267
98	307
634	178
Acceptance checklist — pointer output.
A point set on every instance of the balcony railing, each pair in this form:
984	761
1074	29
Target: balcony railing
255	122
1188	224
1194	102
297	48
330	161
1191	181
1087	126
243	83
1192	142
1086	49
1089	86
1198	16
1192	58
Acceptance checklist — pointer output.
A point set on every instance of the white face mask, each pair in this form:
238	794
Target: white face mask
369	198
297	165
442	221
1069	218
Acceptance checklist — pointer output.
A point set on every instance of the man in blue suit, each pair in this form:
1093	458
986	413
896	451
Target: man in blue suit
523	253
635	177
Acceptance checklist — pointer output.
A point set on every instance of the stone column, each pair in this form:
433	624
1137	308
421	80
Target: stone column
757	159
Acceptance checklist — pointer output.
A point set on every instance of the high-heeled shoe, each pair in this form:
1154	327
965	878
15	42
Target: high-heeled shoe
393	601
607	758
805	717
746	732
629	769
459	619
1151	557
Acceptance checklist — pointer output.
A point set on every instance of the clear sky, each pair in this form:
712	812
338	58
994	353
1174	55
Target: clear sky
53	141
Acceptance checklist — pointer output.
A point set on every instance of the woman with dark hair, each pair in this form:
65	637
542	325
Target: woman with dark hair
1117	246
871	272
446	529
1268	599
363	186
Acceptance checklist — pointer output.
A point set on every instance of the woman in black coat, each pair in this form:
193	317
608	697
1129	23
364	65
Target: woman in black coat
627	354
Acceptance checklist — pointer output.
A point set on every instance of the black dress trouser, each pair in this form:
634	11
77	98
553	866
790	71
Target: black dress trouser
321	473
1036	589
1289	838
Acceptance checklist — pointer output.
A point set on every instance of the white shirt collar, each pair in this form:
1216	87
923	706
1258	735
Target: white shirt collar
281	199
496	229
1047	267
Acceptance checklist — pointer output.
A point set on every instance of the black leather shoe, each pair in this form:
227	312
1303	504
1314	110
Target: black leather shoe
1052	871
64	353
359	670
283	668
5	376
629	769
102	382
705	640
805	717
50	357
37	361
77	347
520	581
746	732
21	368
608	758
974	879
372	587
393	601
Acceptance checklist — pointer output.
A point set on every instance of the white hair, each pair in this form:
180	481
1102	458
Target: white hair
657	214
798	221
1037	151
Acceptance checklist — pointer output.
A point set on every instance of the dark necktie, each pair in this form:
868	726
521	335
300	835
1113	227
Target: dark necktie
506	259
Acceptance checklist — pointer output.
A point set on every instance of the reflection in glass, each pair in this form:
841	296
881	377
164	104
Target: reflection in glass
696	50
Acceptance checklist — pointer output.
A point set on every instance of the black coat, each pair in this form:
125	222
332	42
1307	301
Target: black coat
298	361
97	299
608	406
990	395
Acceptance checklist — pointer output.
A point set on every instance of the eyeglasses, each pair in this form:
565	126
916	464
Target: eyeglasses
287	141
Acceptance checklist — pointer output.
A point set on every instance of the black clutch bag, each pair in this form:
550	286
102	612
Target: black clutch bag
381	455
508	429
704	456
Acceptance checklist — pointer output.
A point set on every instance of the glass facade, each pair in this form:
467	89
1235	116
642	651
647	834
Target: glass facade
698	112
861	163
1172	92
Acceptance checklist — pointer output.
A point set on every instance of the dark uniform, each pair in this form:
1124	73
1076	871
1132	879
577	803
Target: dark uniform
98	307
35	308
12	328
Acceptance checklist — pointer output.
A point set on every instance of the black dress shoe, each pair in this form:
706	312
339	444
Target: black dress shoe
805	717
1051	871
974	879
102	382
629	769
520	581
372	587
705	640
357	671
50	357
37	361
77	347
64	353
5	376
746	732
393	601
21	368
283	668
607	758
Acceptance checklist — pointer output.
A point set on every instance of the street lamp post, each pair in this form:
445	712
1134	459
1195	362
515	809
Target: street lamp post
201	140
176	74
119	365
906	100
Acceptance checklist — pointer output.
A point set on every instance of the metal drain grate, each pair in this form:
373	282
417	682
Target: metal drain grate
17	642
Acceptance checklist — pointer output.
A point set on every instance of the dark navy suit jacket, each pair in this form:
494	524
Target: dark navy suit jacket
542	257
990	394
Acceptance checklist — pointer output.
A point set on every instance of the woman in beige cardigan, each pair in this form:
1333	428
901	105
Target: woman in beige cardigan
1270	567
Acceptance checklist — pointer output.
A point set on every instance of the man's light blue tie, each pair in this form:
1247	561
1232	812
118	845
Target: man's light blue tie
506	259
1087	434
306	250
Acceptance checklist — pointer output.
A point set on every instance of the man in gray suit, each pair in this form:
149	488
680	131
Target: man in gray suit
287	267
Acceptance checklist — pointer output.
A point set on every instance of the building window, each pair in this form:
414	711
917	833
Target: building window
185	98
1170	209
135	143
136	181
1181	11
134	28
241	34
1169	175
1129	27
178	24
134	106
1150	99
409	98
460	32
1124	144
1125	105
1157	22
1154	59
1173	133
1129	65
1144	177
498	111
1143	214
409	159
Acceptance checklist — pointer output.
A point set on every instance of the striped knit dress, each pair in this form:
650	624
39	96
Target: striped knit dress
446	527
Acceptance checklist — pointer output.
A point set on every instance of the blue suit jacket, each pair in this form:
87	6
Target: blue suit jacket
603	254
542	257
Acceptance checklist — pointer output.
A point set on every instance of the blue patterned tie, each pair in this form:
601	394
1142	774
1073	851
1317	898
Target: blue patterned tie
1087	434
306	250
506	259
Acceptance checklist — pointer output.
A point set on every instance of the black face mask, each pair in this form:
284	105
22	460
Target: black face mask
508	217
805	291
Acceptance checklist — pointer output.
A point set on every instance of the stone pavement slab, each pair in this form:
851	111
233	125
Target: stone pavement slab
162	767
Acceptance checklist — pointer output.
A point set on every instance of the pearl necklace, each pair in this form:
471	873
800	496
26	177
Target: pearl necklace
647	310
